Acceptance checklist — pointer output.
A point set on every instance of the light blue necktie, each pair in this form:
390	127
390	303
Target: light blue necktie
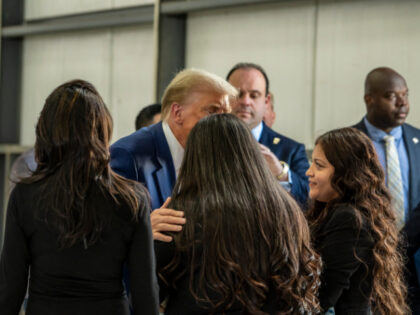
395	184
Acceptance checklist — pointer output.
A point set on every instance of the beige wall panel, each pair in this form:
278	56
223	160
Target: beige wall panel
132	76
118	62
127	3
279	37
353	38
35	9
50	60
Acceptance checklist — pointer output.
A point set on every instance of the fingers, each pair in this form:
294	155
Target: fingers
265	150
169	219
166	216
168	212
166	220
161	237
157	228
166	203
166	227
262	146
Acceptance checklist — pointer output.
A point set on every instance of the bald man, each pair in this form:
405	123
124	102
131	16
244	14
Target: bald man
387	106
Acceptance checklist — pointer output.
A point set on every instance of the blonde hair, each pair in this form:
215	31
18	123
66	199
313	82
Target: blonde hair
194	80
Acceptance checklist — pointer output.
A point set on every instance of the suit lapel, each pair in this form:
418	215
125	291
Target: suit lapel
269	139
165	170
265	137
413	150
362	127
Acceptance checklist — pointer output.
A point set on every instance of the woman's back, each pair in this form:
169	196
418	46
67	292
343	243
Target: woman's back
78	278
245	245
74	222
182	301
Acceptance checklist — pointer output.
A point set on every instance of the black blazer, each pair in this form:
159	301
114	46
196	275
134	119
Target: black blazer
346	284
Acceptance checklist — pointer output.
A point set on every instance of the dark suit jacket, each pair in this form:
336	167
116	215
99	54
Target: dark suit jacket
411	136
412	234
144	156
293	153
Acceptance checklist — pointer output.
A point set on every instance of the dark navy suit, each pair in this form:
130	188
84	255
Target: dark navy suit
144	156
411	136
293	153
412	233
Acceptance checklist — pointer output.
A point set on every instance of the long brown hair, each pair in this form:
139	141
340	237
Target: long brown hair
72	155
245	237
359	181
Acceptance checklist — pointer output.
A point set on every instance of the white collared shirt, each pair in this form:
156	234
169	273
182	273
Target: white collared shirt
177	151
257	131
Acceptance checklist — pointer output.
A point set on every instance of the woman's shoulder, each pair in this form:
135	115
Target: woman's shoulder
25	189
344	215
346	222
344	210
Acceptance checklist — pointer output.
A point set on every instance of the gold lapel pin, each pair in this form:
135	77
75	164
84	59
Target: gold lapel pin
415	140
276	140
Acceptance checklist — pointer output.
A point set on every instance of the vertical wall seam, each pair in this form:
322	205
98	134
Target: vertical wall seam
1	24
314	70
112	102
156	55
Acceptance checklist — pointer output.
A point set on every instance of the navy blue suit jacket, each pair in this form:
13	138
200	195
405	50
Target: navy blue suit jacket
144	156
293	153
411	136
412	234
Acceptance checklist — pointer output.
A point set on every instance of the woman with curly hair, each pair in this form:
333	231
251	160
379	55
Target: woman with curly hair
245	248
354	227
73	224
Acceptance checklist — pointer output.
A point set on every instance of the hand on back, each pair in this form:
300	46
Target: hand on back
166	220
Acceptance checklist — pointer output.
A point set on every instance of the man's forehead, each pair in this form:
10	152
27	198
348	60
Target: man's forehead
248	80
389	86
207	97
386	82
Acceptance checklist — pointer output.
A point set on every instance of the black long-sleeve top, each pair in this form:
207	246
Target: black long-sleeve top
80	279
346	283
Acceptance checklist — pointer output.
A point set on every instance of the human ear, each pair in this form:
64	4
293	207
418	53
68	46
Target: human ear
267	100
177	113
368	99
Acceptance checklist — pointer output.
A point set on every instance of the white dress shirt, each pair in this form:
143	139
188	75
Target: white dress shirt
177	151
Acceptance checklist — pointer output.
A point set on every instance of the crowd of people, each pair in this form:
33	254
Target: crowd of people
211	211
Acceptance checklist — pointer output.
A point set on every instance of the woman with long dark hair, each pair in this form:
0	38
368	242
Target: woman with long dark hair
354	227
245	247
74	222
